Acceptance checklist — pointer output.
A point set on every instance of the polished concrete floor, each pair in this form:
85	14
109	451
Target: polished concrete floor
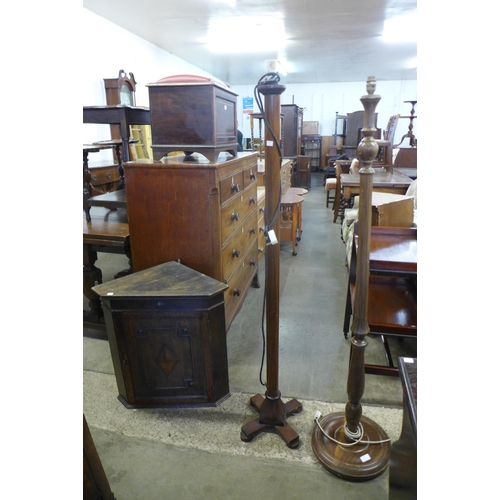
198	453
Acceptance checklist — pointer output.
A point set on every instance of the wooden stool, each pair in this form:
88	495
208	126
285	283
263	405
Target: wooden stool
330	184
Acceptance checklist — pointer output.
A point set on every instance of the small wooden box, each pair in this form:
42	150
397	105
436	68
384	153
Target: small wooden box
392	210
193	114
167	335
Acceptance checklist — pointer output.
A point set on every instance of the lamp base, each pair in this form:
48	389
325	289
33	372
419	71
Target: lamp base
361	462
273	413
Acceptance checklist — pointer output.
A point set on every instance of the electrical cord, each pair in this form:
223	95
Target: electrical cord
356	441
267	79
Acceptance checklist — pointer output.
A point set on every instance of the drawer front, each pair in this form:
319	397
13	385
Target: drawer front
239	283
231	186
235	249
249	176
103	176
235	212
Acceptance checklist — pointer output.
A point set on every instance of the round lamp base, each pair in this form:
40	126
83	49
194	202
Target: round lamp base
361	462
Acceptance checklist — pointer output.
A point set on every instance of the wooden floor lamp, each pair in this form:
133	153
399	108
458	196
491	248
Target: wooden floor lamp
349	444
272	410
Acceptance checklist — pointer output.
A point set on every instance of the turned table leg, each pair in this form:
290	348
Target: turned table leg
92	276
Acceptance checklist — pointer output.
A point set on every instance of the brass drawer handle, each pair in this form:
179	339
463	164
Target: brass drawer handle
94	177
252	200
253	263
236	292
235	188
253	176
236	253
252	230
108	175
262	209
235	216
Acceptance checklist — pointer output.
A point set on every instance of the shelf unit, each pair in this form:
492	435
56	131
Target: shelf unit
312	148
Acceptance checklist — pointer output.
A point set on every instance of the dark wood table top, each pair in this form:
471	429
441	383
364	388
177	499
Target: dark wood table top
392	249
133	115
107	226
380	179
113	200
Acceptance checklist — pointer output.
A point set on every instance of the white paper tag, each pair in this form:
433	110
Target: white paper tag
269	143
408	360
365	458
109	293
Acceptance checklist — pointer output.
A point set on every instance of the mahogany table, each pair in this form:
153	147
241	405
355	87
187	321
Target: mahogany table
107	232
123	116
392	296
87	189
384	182
112	200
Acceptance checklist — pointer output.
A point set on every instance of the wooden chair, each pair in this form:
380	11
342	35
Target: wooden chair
342	167
386	145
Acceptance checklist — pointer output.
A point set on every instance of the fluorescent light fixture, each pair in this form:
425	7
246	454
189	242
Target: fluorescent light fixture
246	34
401	29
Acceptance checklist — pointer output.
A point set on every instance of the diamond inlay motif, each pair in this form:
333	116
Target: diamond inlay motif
166	360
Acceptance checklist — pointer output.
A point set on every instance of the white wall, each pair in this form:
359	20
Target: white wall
119	49
113	49
322	100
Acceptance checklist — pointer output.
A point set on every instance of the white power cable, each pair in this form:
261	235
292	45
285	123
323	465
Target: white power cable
359	433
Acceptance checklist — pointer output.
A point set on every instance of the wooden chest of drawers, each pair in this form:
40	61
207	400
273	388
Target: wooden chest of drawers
200	213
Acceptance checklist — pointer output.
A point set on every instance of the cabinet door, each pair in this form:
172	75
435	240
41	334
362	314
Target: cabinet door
162	356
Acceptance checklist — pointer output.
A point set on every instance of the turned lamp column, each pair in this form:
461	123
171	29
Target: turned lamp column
349	444
367	151
272	410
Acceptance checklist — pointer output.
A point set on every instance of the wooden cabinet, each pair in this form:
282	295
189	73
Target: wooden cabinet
303	174
200	213
292	129
192	114
167	336
312	148
104	178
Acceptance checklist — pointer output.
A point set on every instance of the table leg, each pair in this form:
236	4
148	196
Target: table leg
92	276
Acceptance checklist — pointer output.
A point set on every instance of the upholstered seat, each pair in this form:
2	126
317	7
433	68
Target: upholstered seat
330	185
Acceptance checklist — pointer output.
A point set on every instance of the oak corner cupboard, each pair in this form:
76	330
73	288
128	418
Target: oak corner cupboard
167	336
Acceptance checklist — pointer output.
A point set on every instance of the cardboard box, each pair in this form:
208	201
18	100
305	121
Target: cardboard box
310	128
392	210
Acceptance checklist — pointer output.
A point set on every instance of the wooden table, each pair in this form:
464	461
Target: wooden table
112	200
393	250
291	217
123	116
107	232
392	296
383	182
87	189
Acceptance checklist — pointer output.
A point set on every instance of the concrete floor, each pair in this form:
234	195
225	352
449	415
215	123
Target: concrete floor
198	453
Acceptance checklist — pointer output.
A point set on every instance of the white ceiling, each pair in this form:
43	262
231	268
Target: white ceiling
327	40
